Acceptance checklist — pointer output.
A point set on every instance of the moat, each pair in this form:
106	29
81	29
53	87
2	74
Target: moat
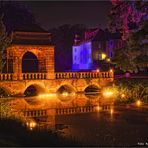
110	125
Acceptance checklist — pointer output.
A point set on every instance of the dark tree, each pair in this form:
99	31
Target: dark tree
63	39
4	42
131	19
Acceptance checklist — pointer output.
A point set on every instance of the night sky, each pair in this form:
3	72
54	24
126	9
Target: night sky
52	14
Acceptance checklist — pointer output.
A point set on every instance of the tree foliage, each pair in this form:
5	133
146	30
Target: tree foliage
63	39
4	42
134	55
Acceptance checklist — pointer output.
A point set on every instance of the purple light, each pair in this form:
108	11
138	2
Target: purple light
82	56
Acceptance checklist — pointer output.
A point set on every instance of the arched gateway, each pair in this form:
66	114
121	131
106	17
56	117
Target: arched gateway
30	68
31	52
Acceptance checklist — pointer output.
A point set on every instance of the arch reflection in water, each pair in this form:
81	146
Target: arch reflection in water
92	89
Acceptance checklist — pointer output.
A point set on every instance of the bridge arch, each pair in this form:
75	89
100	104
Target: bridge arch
34	90
65	88
30	62
4	92
92	88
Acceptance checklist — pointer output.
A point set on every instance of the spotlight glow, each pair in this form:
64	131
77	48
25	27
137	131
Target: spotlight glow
111	111
103	55
47	95
138	103
65	94
111	70
97	70
109	92
98	108
31	125
123	95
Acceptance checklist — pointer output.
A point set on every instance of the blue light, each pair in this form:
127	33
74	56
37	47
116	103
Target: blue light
82	56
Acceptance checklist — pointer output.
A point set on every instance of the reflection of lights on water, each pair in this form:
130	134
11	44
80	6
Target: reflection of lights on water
73	94
107	93
31	125
65	94
111	111
138	103
98	108
47	95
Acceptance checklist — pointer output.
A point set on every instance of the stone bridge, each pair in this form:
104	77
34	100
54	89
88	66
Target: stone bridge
71	81
30	62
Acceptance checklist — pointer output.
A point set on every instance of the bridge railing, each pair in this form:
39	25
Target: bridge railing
35	113
33	76
69	75
6	76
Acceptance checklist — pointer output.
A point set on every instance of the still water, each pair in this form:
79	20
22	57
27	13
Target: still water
116	126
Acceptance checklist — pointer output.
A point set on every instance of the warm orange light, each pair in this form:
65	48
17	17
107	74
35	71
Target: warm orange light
111	111
111	70
47	95
138	103
97	70
73	94
103	55
31	125
65	94
108	93
123	95
98	108
108	59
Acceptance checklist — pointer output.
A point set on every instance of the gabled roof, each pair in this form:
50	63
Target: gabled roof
33	38
98	34
30	28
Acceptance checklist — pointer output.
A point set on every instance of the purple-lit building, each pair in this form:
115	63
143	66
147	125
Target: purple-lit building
95	49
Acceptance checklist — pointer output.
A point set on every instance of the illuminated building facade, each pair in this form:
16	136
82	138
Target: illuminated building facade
95	49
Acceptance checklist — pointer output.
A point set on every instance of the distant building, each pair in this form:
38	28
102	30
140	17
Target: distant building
95	49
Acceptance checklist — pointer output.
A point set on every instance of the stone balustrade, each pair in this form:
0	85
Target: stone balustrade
81	75
6	76
35	113
60	75
33	76
74	110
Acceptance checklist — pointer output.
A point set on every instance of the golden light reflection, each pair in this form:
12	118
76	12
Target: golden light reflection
138	103
31	125
98	108
111	111
65	94
109	92
47	95
123	95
